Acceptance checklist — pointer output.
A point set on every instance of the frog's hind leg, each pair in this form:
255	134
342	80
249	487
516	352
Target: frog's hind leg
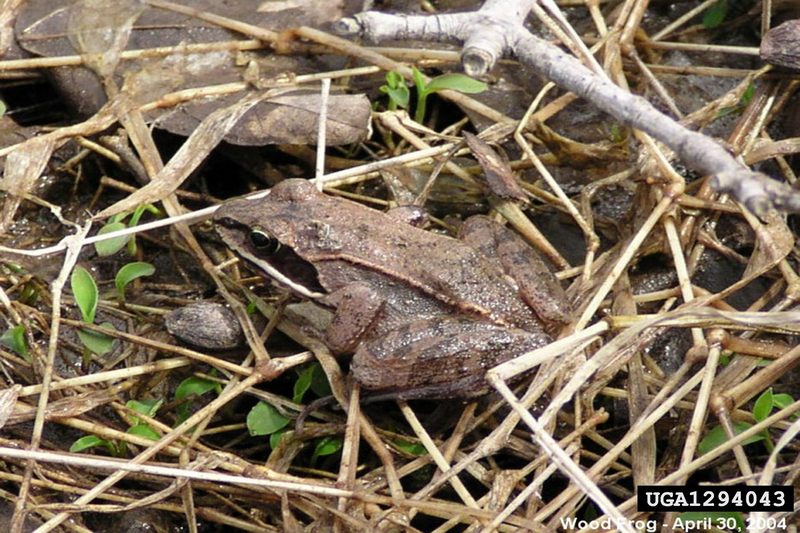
439	358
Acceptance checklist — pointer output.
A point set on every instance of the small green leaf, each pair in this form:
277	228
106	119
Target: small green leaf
411	448
302	384
456	82
717	437
137	214
13	267
782	400
394	79
143	430
85	291
275	438
29	294
319	381
195	386
111	246
146	407
2	108
189	387
716	14
182	413
763	406
264	419
419	80
399	95
92	441
130	272
14	339
140	210
326	446
314	378
98	343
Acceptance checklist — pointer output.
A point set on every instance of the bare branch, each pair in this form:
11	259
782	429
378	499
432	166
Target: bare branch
496	30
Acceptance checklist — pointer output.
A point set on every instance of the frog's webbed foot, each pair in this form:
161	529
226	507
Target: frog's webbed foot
439	358
358	308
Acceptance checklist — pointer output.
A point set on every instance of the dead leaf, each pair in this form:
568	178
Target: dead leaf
193	152
43	29
8	398
23	167
289	119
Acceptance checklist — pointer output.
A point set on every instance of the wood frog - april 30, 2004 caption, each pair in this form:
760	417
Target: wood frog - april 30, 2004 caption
425	315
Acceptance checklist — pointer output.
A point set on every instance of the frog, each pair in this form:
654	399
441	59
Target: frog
423	314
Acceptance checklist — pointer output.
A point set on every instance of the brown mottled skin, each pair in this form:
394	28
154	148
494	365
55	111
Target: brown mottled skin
425	314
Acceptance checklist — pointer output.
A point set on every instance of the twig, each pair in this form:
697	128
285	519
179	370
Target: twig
496	29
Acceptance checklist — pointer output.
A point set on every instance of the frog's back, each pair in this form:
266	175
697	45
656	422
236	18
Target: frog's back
442	267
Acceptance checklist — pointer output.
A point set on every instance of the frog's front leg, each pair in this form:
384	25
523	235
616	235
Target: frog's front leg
439	358
358	309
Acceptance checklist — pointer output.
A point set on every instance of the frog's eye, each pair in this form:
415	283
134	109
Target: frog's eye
264	242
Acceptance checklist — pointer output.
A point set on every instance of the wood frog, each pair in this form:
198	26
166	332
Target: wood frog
425	315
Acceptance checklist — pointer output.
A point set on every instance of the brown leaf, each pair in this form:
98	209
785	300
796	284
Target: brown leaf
287	119
202	140
8	398
42	29
23	167
498	174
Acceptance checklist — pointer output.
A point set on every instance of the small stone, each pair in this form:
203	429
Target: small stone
781	45
205	325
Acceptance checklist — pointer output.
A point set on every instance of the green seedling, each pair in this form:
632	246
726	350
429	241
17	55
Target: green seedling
397	90
139	427
130	272
191	387
311	378
96	342
14	339
762	408
717	437
84	289
86	294
454	81
264	419
326	446
93	441
767	402
117	223
411	448
399	95
716	14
